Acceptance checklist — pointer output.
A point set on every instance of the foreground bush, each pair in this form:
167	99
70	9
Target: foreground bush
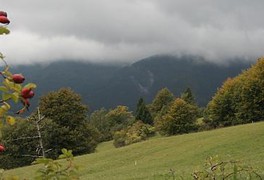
216	168
58	170
64	169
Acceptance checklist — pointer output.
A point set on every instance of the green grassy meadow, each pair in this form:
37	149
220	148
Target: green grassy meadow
154	158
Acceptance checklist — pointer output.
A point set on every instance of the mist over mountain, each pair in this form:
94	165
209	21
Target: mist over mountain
111	85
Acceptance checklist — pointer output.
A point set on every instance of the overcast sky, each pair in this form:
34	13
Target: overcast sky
129	30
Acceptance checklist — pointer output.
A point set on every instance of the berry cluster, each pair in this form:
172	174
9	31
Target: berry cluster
26	92
11	87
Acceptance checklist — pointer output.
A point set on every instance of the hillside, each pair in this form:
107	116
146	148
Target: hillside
111	85
154	158
146	77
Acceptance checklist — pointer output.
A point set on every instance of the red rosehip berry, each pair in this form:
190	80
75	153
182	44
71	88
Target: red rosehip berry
31	94
2	13
27	93
2	148
18	78
4	20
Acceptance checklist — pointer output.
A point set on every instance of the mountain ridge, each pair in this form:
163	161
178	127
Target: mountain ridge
111	85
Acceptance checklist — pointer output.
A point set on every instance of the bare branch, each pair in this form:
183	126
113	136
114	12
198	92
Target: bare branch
29	137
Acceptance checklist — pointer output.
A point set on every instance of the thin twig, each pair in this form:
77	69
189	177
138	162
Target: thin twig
30	137
28	155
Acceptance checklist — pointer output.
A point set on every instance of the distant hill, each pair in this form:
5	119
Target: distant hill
111	85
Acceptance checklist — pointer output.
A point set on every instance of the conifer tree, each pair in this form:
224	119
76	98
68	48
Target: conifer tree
142	112
188	97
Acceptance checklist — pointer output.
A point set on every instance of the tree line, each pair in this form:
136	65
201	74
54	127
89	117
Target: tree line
67	122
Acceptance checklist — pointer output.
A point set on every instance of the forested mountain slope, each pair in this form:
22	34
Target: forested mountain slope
110	85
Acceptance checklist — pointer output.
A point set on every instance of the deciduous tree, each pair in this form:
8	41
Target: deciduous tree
180	118
161	101
239	100
64	107
99	120
119	118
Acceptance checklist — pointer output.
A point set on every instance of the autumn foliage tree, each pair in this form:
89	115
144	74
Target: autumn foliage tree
240	99
179	119
119	118
161	102
134	133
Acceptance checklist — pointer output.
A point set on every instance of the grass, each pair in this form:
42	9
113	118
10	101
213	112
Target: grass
154	158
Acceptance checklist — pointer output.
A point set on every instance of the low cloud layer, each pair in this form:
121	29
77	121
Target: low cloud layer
128	30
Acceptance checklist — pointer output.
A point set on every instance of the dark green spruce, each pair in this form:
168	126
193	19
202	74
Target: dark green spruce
142	112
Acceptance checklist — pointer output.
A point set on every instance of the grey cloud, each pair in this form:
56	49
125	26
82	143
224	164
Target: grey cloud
127	30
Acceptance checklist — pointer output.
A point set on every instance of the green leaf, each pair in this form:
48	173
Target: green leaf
70	152
10	120
6	96
15	97
7	83
6	72
62	156
2	111
4	30
42	161
66	154
16	87
64	151
1	56
5	106
6	69
3	88
12	86
30	86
